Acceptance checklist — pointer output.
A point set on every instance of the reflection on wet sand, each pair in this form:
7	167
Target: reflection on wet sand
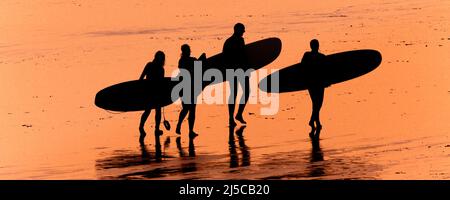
316	156
182	162
191	150
323	164
128	158
245	153
156	164
189	166
133	161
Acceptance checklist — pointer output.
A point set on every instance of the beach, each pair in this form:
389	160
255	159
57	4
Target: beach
392	123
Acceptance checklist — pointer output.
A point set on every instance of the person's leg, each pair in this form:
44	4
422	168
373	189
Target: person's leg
158	131
319	102
141	125
245	85
191	119
183	114
312	95
317	95
232	101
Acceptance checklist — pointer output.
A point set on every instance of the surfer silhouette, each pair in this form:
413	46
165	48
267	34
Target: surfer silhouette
154	70
188	102
235	56
316	86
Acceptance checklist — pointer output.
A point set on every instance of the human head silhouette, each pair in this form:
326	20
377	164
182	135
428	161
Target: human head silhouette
239	29
314	45
185	50
160	58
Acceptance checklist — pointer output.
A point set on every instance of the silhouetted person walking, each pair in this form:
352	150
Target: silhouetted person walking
154	70
316	88
235	57
188	101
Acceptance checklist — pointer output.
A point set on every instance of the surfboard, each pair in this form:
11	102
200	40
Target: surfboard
259	54
335	68
139	95
136	95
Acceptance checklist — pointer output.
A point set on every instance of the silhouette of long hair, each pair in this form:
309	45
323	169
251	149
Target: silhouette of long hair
159	58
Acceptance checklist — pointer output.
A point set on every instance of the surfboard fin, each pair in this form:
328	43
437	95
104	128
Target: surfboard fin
165	122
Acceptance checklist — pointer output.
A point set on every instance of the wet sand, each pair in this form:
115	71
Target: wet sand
389	124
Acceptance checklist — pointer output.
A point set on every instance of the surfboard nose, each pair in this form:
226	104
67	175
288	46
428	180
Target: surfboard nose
372	58
378	57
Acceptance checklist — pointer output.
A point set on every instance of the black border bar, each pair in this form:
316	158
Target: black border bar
171	189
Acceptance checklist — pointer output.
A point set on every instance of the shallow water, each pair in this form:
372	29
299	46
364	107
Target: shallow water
389	124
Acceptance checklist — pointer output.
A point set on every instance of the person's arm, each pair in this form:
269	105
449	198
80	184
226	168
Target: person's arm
244	53
202	57
226	51
225	47
180	65
144	72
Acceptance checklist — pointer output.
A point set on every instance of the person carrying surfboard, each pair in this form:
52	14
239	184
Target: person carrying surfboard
153	70
235	57
188	101
316	86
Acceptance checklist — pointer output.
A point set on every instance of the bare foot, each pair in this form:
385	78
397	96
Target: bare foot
232	123
240	119
319	128
158	132
192	134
